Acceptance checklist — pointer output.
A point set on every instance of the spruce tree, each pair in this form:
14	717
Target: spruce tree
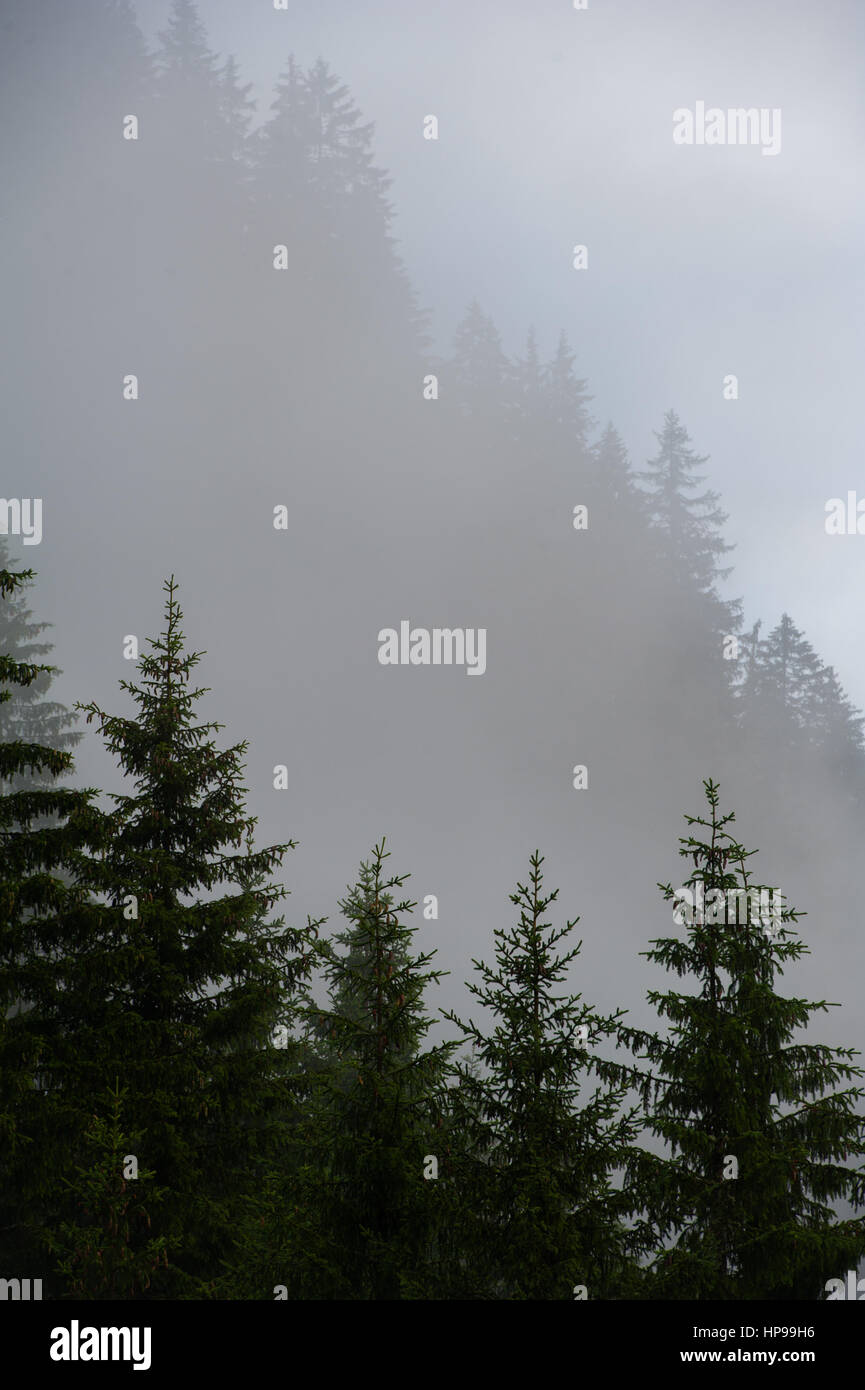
341	315
759	1137
794	718
189	85
45	831
178	986
237	108
839	736
480	371
552	422
784	690
612	472
542	1126
27	714
529	403
201	179
567	399
687	526
107	1252
379	1107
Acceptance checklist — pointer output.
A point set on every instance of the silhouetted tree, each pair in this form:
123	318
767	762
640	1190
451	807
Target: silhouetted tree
537	1206
44	833
28	715
731	1086
379	1109
180	987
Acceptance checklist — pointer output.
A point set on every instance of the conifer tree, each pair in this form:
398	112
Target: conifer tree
201	174
567	398
749	681
481	371
759	1137
612	471
28	715
45	831
784	693
340	154
839	735
107	1251
189	81
529	404
237	108
795	717
178	986
537	1204
343	317
687	525
548	413
685	521
379	1108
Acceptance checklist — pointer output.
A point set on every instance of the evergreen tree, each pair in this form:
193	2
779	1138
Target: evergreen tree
189	82
44	834
379	1109
749	669
201	177
790	672
839	735
567	396
481	373
283	144
201	98
796	718
548	416
107	1252
237	108
687	526
341	315
784	690
612	472
340	152
175	986
732	1086
538	1208
529	403
27	715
